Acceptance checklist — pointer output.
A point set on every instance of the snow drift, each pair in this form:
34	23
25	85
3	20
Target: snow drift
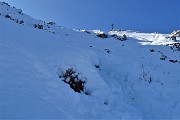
137	78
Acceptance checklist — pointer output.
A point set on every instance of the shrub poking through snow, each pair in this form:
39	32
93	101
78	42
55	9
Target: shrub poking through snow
71	77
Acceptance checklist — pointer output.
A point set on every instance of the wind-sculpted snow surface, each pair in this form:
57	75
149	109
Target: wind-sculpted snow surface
131	79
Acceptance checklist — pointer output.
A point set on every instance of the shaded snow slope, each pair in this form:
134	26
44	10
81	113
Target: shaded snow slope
136	78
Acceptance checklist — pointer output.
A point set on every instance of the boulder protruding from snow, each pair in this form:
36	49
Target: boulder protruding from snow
102	35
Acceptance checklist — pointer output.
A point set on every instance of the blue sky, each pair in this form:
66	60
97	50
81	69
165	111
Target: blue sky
139	15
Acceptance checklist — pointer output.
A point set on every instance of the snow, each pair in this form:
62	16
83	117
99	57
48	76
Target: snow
131	82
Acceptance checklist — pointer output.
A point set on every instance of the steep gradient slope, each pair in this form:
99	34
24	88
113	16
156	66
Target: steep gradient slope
136	78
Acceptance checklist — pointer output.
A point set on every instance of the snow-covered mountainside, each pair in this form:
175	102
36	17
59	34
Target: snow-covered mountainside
47	71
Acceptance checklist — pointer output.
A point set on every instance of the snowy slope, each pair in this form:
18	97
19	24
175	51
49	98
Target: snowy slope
136	78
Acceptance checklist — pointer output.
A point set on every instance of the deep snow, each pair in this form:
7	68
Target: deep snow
132	80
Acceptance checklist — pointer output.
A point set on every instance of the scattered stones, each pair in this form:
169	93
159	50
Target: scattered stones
174	46
108	50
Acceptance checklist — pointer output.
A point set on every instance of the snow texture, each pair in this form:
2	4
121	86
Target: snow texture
133	79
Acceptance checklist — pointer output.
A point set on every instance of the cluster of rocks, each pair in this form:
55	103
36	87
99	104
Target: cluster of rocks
164	57
104	35
121	38
15	20
4	3
38	26
174	46
41	25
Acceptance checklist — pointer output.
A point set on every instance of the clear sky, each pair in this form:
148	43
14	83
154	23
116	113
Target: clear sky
139	15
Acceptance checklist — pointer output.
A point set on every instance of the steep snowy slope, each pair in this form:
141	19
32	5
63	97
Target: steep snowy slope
135	78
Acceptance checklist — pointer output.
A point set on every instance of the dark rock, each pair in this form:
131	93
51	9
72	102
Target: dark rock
163	57
97	66
51	23
7	16
102	35
38	26
88	32
173	61
151	50
21	22
108	50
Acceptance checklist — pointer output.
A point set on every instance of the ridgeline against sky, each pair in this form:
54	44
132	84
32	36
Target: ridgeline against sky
139	15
